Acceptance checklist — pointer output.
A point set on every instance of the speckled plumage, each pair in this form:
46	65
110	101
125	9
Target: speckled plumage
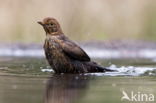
63	55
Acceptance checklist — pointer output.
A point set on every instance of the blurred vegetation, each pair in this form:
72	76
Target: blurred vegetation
80	19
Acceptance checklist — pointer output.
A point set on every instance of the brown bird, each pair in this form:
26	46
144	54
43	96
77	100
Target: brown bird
63	55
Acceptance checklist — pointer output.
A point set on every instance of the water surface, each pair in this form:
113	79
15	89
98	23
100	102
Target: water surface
31	80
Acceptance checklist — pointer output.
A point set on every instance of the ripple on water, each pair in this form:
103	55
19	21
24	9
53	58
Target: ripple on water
39	67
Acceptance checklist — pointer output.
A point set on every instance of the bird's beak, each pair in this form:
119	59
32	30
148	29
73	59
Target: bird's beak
40	23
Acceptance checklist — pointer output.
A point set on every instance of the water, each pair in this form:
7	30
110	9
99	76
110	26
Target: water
31	80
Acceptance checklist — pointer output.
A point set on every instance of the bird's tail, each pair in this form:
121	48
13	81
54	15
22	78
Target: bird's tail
97	68
104	69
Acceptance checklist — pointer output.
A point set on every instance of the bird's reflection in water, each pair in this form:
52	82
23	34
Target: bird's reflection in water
66	88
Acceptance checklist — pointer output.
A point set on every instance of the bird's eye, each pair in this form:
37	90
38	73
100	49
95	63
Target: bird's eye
51	24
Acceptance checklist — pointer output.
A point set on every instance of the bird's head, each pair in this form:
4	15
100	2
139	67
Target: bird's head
51	26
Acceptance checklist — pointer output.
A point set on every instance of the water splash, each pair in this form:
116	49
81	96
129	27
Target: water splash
128	71
47	70
122	71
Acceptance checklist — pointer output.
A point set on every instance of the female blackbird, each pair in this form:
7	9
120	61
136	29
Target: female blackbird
63	55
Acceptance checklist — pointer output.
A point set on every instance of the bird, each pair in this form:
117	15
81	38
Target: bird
64	55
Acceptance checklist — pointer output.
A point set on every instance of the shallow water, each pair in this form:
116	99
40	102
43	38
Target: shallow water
31	80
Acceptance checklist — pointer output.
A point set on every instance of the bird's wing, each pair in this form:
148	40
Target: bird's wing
74	51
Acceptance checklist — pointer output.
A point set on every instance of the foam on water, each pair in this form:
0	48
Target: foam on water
128	71
47	70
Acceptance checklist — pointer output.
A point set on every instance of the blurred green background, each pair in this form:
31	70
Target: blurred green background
81	20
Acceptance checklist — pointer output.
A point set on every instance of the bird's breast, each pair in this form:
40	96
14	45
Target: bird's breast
54	51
